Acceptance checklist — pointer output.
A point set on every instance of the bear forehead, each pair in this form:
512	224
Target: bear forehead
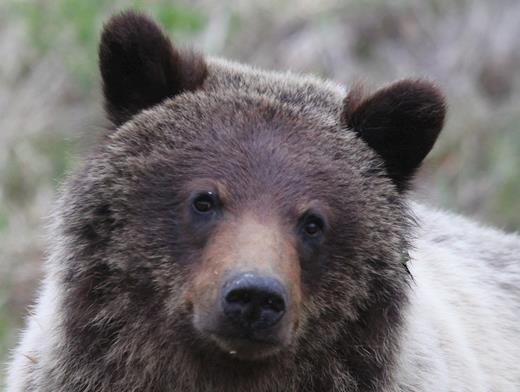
260	149
235	120
233	135
234	96
303	91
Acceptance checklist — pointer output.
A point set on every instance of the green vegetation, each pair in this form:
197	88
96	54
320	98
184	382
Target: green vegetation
9	324
71	27
4	221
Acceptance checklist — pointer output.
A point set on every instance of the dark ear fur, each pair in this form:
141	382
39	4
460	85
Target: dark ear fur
140	67
400	122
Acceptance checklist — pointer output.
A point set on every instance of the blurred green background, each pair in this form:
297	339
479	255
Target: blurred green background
50	103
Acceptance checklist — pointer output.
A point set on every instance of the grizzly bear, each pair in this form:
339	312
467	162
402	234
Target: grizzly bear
242	230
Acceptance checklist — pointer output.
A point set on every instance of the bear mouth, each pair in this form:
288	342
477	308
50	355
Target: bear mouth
247	346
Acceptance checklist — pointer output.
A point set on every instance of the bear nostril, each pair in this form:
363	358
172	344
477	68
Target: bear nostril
275	303
238	296
253	302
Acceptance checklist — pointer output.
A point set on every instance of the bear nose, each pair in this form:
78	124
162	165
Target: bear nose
253	302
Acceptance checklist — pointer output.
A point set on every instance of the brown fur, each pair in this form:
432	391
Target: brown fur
146	280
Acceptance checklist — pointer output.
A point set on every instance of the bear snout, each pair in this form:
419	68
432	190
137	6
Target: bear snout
251	316
253	302
246	291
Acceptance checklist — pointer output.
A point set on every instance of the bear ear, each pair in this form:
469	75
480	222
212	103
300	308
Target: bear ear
400	122
140	67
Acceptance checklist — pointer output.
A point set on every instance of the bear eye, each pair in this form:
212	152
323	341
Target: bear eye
313	225
204	203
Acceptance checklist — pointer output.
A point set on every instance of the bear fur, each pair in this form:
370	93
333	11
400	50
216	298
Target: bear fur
391	296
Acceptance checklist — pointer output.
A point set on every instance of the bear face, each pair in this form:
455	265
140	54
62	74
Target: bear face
231	235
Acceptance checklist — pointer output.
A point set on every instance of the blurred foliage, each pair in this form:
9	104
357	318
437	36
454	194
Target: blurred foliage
82	21
4	221
7	324
18	179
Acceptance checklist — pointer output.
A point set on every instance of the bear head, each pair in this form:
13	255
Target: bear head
237	229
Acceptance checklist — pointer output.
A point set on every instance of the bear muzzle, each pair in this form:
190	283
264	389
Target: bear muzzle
251	317
246	291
